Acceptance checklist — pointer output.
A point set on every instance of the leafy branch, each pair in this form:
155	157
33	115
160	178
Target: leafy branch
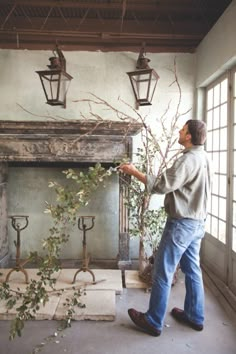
64	213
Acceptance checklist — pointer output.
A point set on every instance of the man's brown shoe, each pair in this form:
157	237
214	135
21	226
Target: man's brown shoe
180	316
139	319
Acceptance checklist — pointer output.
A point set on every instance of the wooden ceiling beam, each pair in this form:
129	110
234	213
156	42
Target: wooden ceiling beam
155	44
137	6
80	34
163	47
92	25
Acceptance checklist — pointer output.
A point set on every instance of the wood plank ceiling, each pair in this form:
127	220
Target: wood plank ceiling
106	25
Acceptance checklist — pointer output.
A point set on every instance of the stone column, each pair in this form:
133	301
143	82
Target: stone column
4	248
124	261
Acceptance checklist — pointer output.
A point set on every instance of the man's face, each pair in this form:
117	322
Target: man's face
184	136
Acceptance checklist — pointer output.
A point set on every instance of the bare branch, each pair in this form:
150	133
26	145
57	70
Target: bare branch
38	115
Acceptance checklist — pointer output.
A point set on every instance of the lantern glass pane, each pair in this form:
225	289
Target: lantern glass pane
51	84
55	85
64	85
144	84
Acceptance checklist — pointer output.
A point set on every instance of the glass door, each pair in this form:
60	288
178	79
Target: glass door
216	146
219	246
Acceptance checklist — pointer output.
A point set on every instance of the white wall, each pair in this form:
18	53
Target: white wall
102	74
217	52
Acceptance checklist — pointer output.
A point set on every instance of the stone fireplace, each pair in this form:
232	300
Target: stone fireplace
76	144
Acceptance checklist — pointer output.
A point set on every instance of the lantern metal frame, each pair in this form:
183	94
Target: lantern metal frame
144	75
56	77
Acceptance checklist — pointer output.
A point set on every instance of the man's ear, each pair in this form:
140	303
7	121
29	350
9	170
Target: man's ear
189	137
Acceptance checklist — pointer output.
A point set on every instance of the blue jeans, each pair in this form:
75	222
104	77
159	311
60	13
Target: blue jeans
180	244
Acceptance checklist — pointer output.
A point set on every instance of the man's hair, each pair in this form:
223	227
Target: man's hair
198	131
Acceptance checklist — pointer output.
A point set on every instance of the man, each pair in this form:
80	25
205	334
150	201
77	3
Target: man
186	186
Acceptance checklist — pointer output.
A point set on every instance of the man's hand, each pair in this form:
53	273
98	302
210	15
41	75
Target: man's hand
131	170
128	168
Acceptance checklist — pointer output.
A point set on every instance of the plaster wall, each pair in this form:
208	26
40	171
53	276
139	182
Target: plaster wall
217	52
94	73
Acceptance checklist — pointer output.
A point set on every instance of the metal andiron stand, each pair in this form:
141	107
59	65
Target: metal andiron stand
85	227
19	223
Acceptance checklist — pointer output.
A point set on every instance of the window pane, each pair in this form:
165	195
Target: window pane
223	91
209	141
215	162
223	162
223	185
222	208
210	99
216	118
215	201
209	120
223	139
222	231
215	184
216	95
223	115
216	140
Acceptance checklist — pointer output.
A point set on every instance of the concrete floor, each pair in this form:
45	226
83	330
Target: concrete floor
122	337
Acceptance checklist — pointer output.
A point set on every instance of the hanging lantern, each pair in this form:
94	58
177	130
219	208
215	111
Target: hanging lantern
56	80
143	80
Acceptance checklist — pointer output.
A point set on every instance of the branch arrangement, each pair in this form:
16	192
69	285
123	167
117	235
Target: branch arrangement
156	153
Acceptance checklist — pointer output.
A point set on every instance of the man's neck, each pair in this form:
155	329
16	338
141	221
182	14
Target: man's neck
187	145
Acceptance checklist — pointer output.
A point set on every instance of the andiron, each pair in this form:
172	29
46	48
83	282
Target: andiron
19	223
85	227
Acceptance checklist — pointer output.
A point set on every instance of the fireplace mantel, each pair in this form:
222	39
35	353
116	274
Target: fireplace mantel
74	141
91	127
79	142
